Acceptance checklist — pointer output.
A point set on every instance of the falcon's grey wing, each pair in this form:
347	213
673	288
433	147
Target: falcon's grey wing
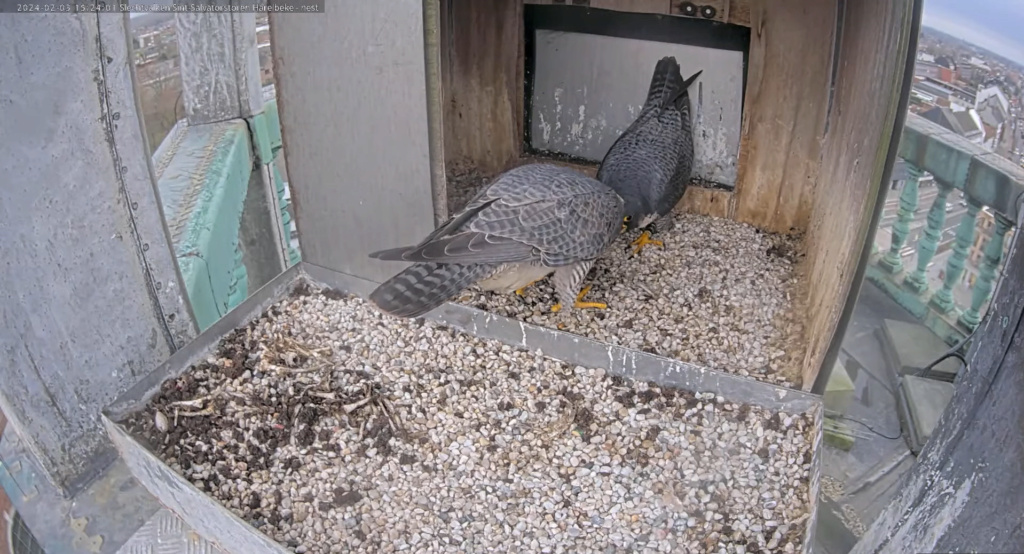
544	213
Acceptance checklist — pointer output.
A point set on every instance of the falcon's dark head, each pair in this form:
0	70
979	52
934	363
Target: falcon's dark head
634	210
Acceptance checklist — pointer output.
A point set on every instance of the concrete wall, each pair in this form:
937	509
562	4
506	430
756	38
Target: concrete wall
353	107
90	298
589	88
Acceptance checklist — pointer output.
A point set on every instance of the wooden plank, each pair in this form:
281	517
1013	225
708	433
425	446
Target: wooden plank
482	82
739	12
784	113
705	201
868	85
520	80
736	12
355	131
638	6
433	48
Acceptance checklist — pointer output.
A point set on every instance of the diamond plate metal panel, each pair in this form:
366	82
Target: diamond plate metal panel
165	533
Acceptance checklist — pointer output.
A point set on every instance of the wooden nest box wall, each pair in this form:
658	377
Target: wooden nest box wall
816	100
814	129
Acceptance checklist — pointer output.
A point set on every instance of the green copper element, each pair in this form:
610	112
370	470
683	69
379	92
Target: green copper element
238	290
918	280
942	301
202	190
986	277
892	261
286	219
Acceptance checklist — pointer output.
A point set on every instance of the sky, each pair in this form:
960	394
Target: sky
992	24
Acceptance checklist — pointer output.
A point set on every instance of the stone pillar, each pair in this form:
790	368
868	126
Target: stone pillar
964	492
918	280
943	299
220	76
986	277
892	261
220	71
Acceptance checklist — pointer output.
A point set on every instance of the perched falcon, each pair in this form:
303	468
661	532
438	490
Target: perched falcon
649	165
532	221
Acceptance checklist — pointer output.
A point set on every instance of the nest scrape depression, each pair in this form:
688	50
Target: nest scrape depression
333	428
720	294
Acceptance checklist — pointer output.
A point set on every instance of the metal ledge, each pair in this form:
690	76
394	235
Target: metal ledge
568	347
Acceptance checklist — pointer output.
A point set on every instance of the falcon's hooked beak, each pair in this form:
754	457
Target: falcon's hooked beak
625	223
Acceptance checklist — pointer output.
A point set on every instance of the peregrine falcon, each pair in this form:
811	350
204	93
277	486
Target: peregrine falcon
649	165
532	221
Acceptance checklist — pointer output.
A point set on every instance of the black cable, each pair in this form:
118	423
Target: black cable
928	368
868	427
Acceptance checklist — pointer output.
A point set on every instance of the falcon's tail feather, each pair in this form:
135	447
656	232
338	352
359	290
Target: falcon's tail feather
664	83
679	99
423	287
392	254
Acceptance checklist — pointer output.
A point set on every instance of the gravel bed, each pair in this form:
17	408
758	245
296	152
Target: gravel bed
719	294
333	428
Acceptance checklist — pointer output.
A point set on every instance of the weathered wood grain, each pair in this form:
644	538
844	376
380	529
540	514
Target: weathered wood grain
869	81
784	113
482	82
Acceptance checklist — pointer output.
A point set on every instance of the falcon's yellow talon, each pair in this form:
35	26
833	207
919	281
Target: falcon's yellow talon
522	290
643	240
579	304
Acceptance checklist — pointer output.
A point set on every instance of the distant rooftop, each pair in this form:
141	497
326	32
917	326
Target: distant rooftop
993	93
945	61
934	88
978	62
962	123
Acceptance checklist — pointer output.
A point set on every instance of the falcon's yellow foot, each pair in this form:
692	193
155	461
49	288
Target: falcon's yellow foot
643	240
579	304
522	290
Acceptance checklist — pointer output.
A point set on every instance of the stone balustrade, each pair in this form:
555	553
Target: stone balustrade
990	186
